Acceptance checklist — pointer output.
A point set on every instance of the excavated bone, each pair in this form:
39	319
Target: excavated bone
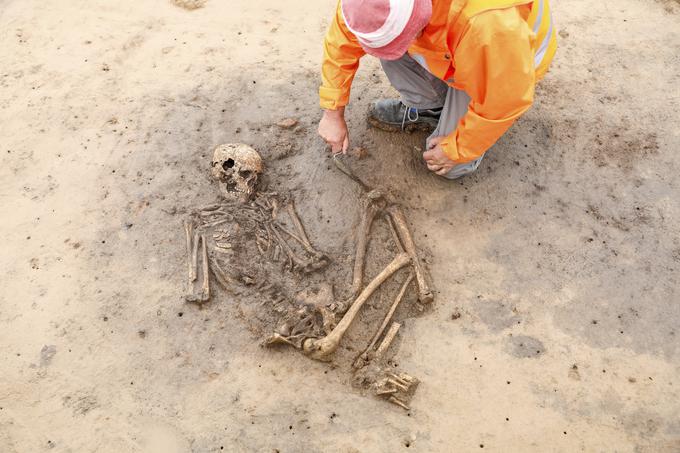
321	349
424	292
363	235
387	341
237	168
219	274
395	235
194	258
204	295
297	262
309	318
188	230
368	353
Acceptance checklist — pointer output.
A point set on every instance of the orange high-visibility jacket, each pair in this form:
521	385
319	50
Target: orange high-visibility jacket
494	50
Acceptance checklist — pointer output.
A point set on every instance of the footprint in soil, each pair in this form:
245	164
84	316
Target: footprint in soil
47	353
190	4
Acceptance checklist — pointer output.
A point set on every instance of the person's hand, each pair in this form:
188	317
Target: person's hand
435	158
333	129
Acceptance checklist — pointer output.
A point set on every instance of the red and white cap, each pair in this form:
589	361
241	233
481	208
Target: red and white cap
386	28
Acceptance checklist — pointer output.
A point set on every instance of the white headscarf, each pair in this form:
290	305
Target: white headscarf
400	13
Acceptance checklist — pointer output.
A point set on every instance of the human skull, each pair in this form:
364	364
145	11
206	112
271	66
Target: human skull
237	168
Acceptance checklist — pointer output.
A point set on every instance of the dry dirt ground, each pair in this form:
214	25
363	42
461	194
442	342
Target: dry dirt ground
561	254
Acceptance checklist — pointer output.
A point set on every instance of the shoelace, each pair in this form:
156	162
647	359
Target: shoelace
407	114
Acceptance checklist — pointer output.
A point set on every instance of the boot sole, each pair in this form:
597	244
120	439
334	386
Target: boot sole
408	127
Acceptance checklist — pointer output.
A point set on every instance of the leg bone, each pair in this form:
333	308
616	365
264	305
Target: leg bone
321	349
363	358
424	292
370	211
387	341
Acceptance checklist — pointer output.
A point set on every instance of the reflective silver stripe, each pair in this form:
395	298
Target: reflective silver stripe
539	17
421	61
544	45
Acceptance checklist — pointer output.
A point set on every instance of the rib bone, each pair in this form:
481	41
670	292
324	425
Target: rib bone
424	293
322	348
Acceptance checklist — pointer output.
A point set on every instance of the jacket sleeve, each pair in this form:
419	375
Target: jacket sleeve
494	64
342	53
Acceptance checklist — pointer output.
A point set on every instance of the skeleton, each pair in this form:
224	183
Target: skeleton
313	321
258	218
372	370
237	168
323	348
243	213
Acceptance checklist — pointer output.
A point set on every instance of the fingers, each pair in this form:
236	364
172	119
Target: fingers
336	146
434	166
438	169
339	146
345	144
434	141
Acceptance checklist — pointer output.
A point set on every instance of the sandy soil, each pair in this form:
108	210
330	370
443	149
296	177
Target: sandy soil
561	255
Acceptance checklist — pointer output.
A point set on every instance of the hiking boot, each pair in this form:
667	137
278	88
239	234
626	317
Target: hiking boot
392	115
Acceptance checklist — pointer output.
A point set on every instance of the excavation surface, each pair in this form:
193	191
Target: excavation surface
556	320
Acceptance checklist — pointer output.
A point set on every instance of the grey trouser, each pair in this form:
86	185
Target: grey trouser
422	90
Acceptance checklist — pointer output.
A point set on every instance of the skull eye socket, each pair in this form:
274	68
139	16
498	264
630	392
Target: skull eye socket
245	173
229	163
